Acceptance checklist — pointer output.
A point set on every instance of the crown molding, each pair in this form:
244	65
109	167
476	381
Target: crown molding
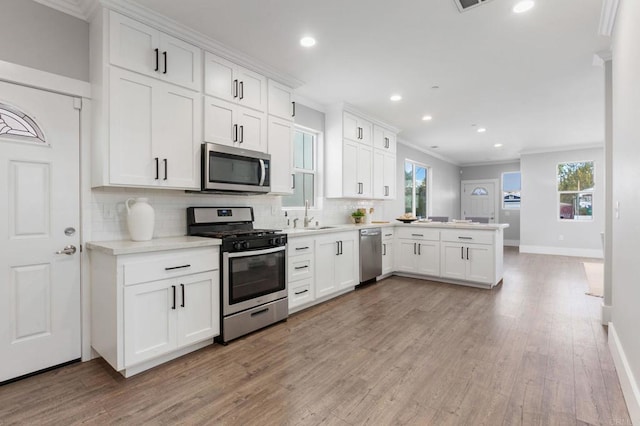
426	151
344	106
74	8
562	148
491	163
608	16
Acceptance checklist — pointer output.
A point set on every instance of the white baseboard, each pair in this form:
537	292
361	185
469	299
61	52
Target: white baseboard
562	251
606	314
625	375
512	243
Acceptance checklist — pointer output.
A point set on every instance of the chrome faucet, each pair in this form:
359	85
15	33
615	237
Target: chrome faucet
307	219
295	222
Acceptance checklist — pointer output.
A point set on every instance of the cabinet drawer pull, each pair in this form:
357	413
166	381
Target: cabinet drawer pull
166	166
302	248
261	311
157	59
173	289
171	268
293	180
384	249
465	238
300	292
417	235
388	235
301	267
157	160
165	62
182	289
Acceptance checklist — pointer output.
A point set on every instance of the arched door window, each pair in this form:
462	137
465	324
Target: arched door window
19	126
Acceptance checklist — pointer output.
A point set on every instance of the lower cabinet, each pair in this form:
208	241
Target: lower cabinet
336	263
388	264
418	251
300	272
469	262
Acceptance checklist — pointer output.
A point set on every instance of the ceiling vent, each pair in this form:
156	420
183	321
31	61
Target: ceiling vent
464	5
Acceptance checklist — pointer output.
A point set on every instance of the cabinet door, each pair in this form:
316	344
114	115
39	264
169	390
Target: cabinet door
387	257
326	253
428	258
300	292
346	266
366	132
149	321
280	100
252	129
280	140
132	45
350	186
388	176
219	77
177	126
350	127
364	170
480	263
219	121
198	308
132	97
453	263
407	255
252	89
180	62
392	142
379	189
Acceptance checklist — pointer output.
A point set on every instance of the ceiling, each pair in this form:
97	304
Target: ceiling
529	79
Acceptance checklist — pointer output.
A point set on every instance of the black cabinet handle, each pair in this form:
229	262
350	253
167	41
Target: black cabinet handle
300	292
242	90
166	163
157	59
417	235
293	114
173	288
419	251
462	253
164	54
301	248
261	311
241	133
157	160
467	253
301	267
384	249
414	248
337	248
388	235
235	133
182	288
171	268
293	179
341	248
386	190
235	88
465	238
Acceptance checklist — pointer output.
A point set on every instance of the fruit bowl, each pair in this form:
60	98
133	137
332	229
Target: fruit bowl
406	220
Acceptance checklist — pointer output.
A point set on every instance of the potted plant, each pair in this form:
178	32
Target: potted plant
358	216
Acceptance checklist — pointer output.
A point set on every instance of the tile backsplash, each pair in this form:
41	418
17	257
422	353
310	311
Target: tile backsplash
109	216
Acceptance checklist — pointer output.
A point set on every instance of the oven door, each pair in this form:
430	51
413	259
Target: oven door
251	278
233	169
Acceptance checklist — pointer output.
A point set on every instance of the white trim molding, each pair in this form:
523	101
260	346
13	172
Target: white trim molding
608	17
606	313
628	383
511	243
562	251
426	151
38	79
568	148
74	8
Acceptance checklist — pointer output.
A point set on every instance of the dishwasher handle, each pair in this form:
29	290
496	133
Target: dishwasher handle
370	232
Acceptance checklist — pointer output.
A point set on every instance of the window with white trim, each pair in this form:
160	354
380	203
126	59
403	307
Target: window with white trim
575	190
304	169
416	194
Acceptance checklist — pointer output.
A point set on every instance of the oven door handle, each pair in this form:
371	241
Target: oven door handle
263	172
256	252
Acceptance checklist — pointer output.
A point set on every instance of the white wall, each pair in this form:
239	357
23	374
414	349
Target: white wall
445	184
43	38
540	228
494	171
626	228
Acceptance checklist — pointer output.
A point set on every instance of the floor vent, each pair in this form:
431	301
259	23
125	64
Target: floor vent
464	5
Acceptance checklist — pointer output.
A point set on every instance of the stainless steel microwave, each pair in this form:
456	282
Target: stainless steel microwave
230	169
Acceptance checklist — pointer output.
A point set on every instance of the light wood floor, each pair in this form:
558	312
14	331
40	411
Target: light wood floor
402	351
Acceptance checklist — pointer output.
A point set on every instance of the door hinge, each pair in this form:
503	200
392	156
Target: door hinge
77	103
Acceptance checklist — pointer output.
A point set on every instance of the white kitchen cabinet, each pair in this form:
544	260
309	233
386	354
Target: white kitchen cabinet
148	308
231	82
469	262
384	139
280	98
140	48
388	263
154	133
418	251
280	140
300	272
384	175
357	129
230	124
357	174
336	263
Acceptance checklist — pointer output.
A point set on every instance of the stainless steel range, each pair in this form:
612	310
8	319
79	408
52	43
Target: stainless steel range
253	268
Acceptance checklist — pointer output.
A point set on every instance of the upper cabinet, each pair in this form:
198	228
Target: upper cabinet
281	102
140	48
230	124
233	83
357	129
384	139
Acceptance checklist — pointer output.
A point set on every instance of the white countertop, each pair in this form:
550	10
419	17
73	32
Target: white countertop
300	232
157	244
457	225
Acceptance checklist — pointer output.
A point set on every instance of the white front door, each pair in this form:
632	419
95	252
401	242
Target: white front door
39	216
479	199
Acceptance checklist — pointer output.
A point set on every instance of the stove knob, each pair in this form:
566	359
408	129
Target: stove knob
273	241
245	245
279	241
237	246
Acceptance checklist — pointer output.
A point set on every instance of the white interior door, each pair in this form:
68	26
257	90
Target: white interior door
479	199
39	216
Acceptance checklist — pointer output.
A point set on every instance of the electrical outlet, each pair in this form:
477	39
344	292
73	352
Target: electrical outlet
108	212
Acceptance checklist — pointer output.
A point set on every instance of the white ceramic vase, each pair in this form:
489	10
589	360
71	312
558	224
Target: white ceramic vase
140	219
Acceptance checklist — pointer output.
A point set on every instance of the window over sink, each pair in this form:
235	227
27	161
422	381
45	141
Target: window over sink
305	170
416	193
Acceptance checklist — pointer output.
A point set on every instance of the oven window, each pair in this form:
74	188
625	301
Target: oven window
254	276
227	168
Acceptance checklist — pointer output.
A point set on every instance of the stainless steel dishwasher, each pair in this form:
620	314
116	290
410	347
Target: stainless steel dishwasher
370	253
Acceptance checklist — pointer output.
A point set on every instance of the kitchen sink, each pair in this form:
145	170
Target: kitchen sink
317	228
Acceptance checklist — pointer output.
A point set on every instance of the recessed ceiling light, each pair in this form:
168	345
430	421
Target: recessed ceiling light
307	41
481	130
396	98
435	87
434	147
498	145
523	6
427	118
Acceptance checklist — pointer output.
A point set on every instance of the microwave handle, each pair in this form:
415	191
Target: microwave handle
263	172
